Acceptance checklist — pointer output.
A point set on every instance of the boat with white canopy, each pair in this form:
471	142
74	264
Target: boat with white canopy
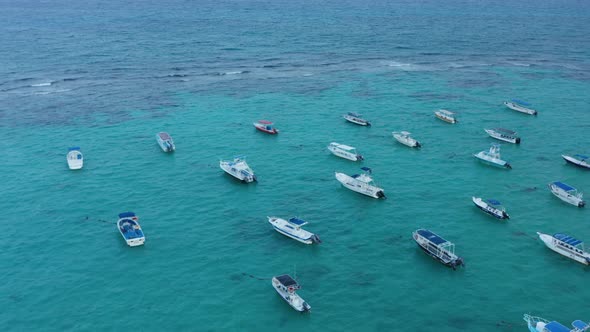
446	116
492	157
578	160
292	228
567	246
437	247
356	119
404	138
567	193
361	183
538	324
505	135
286	287
520	106
345	151
75	158
238	168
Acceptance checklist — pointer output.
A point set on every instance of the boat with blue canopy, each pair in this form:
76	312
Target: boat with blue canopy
538	324
129	228
491	206
75	158
356	118
492	157
567	246
438	248
292	228
520	106
567	193
579	160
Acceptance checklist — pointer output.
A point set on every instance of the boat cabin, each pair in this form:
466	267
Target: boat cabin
266	124
569	243
297	223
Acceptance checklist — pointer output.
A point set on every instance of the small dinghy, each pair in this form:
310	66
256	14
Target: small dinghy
520	106
344	151
538	324
567	193
492	157
292	229
404	138
75	158
566	246
491	207
446	116
239	169
578	160
504	135
165	142
129	228
356	119
438	248
361	183
286	287
266	127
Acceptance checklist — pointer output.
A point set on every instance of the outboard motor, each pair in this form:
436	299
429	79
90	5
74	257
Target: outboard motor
418	145
316	239
508	166
359	157
306	307
380	194
505	215
518	140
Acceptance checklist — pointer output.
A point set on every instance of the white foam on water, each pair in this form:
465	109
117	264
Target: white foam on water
41	84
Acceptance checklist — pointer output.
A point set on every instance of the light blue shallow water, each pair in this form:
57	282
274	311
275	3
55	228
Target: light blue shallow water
107	78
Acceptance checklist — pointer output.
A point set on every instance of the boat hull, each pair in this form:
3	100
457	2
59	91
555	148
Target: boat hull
263	129
246	177
564	196
493	162
520	109
292	298
496	213
407	141
357	121
576	162
549	242
134	241
344	154
303	236
359	186
499	136
75	160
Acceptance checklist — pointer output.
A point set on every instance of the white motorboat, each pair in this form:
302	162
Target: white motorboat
292	228
404	138
538	324
344	151
520	106
238	168
578	160
356	119
492	157
75	158
165	142
361	183
504	135
266	127
286	287
567	193
491	207
446	116
129	228
567	246
437	247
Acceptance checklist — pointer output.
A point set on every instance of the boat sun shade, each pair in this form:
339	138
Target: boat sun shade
521	102
126	215
564	186
74	148
556	327
286	280
494	202
297	221
431	236
567	239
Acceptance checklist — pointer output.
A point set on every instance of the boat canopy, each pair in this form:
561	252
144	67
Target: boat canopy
581	156
343	147
580	325
567	239
266	122
564	186
431	236
366	169
493	202
556	327
126	215
74	148
405	133
521	102
287	281
505	131
297	221
356	115
164	136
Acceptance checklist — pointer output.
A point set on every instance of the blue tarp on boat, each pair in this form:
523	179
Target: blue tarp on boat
431	236
297	221
126	215
556	327
580	325
494	202
581	156
563	186
567	239
524	103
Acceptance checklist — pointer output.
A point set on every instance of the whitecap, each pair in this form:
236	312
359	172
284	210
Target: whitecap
42	84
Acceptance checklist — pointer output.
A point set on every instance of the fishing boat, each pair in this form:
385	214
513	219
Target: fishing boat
578	160
266	126
344	151
437	247
538	324
504	135
238	168
520	106
567	246
446	116
492	157
75	158
292	228
491	207
567	193
129	228
356	119
165	142
361	183
404	138
286	287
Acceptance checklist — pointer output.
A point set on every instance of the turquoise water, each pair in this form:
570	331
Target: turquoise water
107	79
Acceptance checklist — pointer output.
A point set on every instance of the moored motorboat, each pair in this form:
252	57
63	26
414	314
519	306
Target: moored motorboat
567	193
292	228
504	135
356	119
538	324
446	116
437	247
578	160
129	228
165	141
491	207
238	168
520	106
492	157
266	126
566	246
286	287
344	151
75	158
404	138
361	183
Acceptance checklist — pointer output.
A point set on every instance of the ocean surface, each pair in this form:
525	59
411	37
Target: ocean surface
108	75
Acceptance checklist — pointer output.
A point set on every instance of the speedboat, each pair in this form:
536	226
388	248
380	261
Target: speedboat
491	207
504	135
129	228
437	247
446	116
567	246
567	193
578	160
266	126
292	229
165	142
75	158
286	287
356	119
238	168
492	156
520	106
361	183
344	151
404	138
538	324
